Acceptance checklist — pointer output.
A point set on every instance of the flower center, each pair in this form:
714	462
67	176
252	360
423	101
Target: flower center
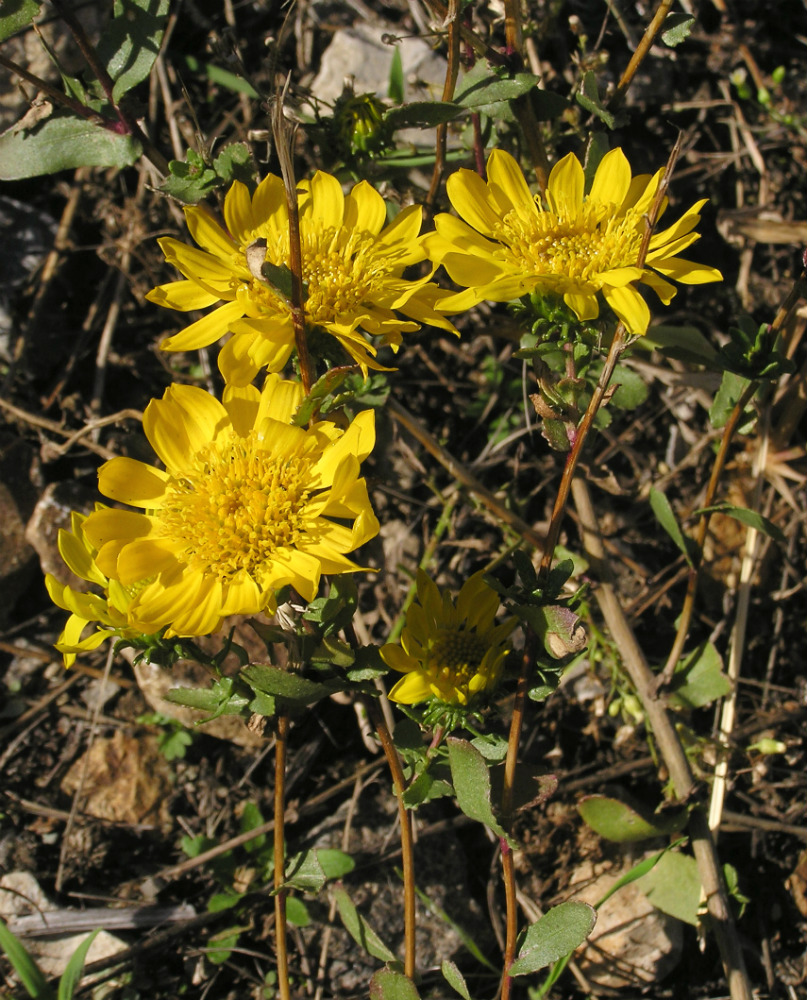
341	271
237	507
579	248
455	657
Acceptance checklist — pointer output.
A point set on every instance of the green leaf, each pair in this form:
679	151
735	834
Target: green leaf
631	389
304	872
251	819
396	87
750	517
625	824
174	743
63	143
699	679
221	901
16	14
558	628
235	163
427	787
387	984
221	698
455	979
294	690
335	863
676	28
223	77
668	521
684	343
674	887
588	97
74	970
25	967
494	89
732	386
556	934
297	912
220	946
491	746
422	114
471	779
358	928
131	43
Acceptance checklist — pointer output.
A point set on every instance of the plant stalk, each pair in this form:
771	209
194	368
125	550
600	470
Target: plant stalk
452	72
281	943
407	844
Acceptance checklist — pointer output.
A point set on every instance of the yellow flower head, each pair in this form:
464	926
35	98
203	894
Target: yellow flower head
576	246
109	611
246	504
352	272
450	652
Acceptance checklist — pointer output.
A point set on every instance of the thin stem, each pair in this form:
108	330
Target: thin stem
508	866
512	25
281	944
283	136
407	844
641	52
452	72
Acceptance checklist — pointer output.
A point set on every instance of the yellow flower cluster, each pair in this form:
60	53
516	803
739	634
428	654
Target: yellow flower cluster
244	501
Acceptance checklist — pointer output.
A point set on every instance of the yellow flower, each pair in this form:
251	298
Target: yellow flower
247	504
109	611
352	270
576	246
450	652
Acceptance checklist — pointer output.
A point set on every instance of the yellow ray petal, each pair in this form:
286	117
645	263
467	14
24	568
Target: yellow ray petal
238	213
204	331
611	180
564	193
365	210
182	296
327	202
207	232
631	308
508	186
132	482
